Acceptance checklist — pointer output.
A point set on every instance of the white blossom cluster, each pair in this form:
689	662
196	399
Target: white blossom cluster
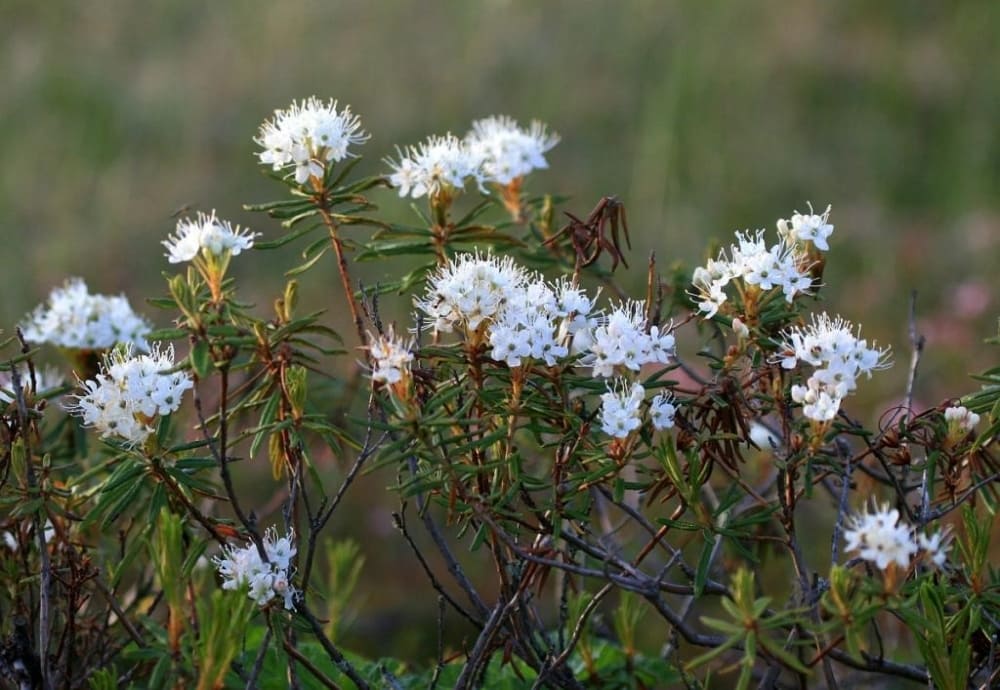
807	227
753	263
519	314
621	339
879	536
838	356
131	390
437	164
662	409
523	316
74	318
961	420
244	566
46	379
539	321
496	150
507	150
470	291
308	135
390	356
621	409
207	234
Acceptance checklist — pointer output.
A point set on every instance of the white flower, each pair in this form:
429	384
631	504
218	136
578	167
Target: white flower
838	355
935	547
391	357
129	392
753	262
620	409
621	340
879	537
808	227
438	164
960	420
308	135
46	379
74	318
244	566
469	290
662	410
762	437
208	234
528	324
507	150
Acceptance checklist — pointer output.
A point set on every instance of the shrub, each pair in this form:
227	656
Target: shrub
649	518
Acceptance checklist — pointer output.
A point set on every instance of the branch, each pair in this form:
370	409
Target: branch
45	576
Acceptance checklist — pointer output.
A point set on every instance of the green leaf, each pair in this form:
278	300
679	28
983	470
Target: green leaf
704	562
286	238
201	359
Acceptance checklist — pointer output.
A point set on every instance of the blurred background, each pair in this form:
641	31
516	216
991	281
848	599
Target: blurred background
703	118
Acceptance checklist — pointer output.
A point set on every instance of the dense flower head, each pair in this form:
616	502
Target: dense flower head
507	150
74	318
523	317
621	408
750	260
622	340
390	356
807	227
439	164
470	290
881	537
539	321
266	580
308	135
662	409
131	390
838	354
207	234
960	420
46	379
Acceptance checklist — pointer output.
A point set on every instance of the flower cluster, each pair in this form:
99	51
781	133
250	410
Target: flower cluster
621	409
621	339
130	392
960	420
754	265
493	300
496	150
881	537
539	321
390	356
436	165
839	357
662	409
206	234
470	291
807	227
518	313
309	135
74	318
507	150
241	567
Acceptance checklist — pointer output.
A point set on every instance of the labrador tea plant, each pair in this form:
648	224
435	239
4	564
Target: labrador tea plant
590	505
